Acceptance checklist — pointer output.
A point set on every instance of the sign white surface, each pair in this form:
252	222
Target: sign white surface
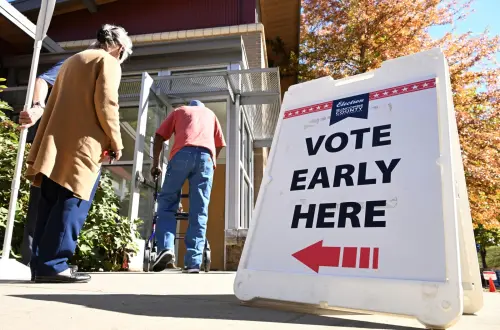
360	206
354	184
489	274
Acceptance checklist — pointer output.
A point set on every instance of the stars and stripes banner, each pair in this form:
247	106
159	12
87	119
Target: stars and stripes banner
377	95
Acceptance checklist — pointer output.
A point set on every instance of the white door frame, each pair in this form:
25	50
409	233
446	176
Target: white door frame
248	173
232	214
142	118
229	198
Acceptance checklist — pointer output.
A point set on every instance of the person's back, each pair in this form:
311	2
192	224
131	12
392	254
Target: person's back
195	126
73	100
81	120
198	141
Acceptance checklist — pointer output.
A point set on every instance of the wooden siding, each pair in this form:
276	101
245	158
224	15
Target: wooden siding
152	16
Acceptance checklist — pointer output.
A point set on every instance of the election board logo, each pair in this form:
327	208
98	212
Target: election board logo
353	106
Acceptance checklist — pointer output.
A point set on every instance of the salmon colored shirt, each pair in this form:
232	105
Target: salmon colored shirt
193	126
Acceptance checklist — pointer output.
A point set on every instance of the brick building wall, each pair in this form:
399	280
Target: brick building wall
255	51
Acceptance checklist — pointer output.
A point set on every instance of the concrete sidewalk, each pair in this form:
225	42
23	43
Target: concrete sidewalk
180	301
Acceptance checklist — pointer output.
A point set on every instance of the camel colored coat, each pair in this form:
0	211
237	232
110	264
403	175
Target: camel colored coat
80	121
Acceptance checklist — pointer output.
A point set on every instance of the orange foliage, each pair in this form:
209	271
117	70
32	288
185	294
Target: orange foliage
347	37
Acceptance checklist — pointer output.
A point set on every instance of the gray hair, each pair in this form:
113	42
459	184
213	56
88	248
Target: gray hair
111	36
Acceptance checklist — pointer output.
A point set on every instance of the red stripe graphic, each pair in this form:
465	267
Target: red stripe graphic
403	89
309	109
317	255
364	258
375	258
334	259
349	257
380	94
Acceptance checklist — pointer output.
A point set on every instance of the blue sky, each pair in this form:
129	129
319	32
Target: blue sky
486	14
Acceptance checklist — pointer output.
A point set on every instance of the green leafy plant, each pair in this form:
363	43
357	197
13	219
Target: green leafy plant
106	238
3	105
486	238
9	141
283	57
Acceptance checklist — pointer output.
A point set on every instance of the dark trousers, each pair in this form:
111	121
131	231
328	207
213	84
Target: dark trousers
29	227
60	218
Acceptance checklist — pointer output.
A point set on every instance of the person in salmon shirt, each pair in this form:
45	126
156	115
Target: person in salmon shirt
198	142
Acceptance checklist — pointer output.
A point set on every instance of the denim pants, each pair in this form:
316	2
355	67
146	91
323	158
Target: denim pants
60	218
30	224
194	164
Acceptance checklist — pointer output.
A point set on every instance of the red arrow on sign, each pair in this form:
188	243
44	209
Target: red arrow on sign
317	255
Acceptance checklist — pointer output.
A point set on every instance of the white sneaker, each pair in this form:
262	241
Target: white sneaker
164	258
191	270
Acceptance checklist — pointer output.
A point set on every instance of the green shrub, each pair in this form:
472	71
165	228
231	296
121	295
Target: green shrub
105	239
3	105
9	141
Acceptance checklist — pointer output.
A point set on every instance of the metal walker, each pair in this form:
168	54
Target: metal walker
151	249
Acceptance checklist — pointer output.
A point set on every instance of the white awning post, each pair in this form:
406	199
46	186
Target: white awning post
12	269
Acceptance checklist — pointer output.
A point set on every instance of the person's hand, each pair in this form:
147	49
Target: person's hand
106	156
155	171
28	118
118	154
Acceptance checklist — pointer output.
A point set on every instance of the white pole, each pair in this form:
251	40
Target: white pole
20	155
42	25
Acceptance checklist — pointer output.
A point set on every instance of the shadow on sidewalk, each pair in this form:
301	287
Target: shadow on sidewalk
224	307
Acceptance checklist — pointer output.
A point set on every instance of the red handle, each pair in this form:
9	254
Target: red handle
111	154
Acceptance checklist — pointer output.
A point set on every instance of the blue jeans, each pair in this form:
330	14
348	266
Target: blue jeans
60	218
196	165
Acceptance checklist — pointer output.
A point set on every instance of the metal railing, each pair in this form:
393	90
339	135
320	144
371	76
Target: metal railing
259	91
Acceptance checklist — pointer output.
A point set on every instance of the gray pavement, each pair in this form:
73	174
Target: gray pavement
181	301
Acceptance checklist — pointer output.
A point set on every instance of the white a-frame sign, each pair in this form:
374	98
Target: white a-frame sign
363	204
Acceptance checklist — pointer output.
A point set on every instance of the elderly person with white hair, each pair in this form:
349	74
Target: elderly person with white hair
79	126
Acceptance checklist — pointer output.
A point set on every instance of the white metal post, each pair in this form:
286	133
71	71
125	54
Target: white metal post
20	156
234	201
229	109
142	119
13	269
232	193
135	262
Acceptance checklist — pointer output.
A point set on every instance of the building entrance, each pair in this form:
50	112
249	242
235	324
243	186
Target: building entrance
247	104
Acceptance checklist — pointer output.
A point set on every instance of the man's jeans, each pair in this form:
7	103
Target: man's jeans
196	165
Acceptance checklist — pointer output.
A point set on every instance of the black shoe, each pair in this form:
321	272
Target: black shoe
73	278
164	258
72	269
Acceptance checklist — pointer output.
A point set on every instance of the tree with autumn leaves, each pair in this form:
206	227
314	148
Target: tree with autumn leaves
342	38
